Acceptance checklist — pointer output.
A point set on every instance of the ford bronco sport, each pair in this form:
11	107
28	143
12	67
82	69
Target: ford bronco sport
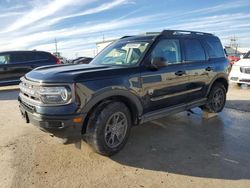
134	80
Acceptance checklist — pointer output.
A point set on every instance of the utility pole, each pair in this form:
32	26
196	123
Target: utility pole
56	44
234	44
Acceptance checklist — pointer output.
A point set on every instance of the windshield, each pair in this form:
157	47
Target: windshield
247	56
121	53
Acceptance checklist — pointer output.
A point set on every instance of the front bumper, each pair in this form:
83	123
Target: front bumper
238	77
62	126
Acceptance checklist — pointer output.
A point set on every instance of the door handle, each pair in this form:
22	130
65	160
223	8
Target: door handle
180	73
209	69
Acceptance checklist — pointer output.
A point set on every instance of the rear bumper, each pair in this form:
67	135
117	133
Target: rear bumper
62	126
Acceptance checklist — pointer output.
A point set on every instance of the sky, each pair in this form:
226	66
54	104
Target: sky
78	24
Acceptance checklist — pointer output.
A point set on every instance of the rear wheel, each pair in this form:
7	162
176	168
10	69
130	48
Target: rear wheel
239	84
216	99
109	127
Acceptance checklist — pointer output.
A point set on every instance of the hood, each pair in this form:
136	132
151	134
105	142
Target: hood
243	62
69	73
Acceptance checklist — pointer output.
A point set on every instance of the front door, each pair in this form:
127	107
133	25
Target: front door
166	86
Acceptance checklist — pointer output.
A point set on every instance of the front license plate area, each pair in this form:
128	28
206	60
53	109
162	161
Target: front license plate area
24	115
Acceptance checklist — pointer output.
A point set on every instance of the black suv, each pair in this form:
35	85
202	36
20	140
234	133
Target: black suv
134	80
15	64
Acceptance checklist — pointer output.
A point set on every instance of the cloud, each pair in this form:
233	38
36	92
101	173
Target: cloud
36	24
42	11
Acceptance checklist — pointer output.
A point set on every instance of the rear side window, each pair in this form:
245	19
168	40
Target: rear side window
22	57
18	58
214	48
194	50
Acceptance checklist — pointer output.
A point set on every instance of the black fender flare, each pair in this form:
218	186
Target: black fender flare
111	92
216	78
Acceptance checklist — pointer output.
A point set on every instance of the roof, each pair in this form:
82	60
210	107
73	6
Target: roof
22	51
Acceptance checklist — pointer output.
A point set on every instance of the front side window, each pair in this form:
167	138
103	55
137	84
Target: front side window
167	51
193	50
4	59
121	54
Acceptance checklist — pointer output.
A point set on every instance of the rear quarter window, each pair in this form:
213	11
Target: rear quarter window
214	48
41	56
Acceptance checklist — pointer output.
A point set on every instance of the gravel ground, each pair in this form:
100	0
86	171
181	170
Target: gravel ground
176	151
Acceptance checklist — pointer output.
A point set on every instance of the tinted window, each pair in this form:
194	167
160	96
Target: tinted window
18	58
167	51
41	56
247	56
214	47
22	57
4	59
194	50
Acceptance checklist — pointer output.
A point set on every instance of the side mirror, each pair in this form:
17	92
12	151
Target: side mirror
159	62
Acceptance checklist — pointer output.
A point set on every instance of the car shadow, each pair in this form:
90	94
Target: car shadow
189	145
9	94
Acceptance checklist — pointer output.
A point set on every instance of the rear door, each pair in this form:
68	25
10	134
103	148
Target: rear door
19	65
199	68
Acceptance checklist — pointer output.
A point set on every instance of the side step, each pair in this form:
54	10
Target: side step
172	110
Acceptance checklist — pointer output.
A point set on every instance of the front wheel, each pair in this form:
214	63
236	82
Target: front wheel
216	99
108	128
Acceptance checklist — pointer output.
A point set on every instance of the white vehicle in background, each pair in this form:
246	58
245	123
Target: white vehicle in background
240	72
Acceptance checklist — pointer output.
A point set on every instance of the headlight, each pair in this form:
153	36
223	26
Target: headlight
54	95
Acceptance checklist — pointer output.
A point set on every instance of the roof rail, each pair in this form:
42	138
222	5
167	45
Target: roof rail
183	32
125	37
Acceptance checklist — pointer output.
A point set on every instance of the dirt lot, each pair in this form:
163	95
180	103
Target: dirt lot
177	151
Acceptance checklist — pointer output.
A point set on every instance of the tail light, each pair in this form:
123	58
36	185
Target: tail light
57	60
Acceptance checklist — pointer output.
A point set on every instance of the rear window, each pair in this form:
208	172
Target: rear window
194	50
214	47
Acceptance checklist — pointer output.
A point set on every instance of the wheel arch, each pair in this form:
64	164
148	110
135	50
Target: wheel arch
130	100
221	78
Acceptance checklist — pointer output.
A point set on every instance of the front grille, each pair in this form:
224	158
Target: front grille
28	89
28	106
245	70
244	80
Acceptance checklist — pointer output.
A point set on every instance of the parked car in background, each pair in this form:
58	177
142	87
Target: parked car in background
82	60
233	58
15	64
63	60
240	72
233	55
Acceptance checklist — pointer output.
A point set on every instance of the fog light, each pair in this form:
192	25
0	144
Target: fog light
234	78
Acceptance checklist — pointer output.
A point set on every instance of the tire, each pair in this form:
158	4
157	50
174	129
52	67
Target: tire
102	130
239	84
216	99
